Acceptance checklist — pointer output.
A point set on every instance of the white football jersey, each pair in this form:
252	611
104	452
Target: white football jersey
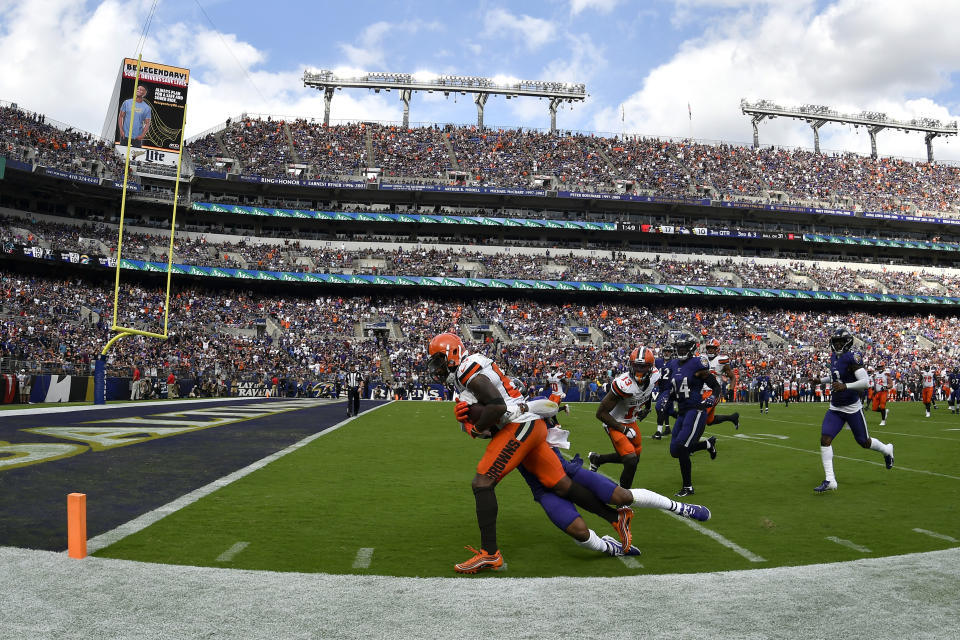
928	378
718	362
881	380
631	396
555	382
479	365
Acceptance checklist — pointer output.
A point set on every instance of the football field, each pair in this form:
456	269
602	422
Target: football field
395	484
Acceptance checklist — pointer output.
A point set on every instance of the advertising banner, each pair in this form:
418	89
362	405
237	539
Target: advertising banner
157	111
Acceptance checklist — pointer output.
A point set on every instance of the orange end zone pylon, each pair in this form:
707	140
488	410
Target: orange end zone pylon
77	525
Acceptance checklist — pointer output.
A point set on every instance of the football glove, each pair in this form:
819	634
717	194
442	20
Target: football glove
461	410
630	433
708	402
471	430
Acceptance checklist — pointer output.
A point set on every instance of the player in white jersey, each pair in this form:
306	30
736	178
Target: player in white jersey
523	441
626	404
926	393
720	365
556	391
882	380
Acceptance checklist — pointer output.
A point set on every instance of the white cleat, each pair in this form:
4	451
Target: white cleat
883	423
928	414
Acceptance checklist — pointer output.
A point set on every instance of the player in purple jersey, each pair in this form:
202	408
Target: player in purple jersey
764	389
849	379
690	374
665	398
954	381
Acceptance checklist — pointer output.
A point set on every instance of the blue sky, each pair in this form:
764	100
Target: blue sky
642	62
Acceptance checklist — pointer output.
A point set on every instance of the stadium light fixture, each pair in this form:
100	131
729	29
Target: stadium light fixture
872	121
406	83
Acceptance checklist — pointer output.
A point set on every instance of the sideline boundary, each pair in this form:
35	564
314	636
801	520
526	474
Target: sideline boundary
48	595
142	522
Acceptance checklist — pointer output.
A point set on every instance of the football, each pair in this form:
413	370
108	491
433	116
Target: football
474	412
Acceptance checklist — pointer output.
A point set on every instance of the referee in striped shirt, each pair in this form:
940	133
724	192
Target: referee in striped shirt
354	383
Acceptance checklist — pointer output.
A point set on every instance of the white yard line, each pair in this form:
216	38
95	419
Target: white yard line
934	534
848	543
917	435
231	553
746	553
364	556
147	519
630	562
747	438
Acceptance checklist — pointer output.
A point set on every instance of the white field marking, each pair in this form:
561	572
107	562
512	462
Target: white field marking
934	534
817	453
142	522
847	543
230	553
364	555
101	407
630	562
917	435
749	555
746	553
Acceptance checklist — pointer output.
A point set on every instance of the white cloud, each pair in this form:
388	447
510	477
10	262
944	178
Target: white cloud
851	56
602	6
368	53
585	61
72	82
532	32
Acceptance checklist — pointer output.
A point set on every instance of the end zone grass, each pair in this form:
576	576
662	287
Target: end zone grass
397	481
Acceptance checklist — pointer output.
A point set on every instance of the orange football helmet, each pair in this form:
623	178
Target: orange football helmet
445	351
713	347
641	362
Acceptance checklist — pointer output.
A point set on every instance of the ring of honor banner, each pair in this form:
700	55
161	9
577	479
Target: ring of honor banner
157	111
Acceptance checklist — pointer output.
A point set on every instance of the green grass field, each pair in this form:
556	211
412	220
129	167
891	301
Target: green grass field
397	481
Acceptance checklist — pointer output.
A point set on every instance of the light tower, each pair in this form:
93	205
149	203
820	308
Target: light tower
874	122
482	88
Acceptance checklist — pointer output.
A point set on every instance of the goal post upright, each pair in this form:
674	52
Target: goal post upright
121	331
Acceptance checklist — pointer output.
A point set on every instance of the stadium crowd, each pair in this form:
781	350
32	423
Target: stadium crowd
521	158
61	324
291	255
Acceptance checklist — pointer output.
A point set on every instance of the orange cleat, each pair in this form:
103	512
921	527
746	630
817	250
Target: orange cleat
481	561
622	525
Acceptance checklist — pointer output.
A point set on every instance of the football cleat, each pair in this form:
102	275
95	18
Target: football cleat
826	485
888	460
666	430
566	408
481	561
592	459
928	414
657	435
695	511
684	492
736	420
614	548
622	525
712	447
883	423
